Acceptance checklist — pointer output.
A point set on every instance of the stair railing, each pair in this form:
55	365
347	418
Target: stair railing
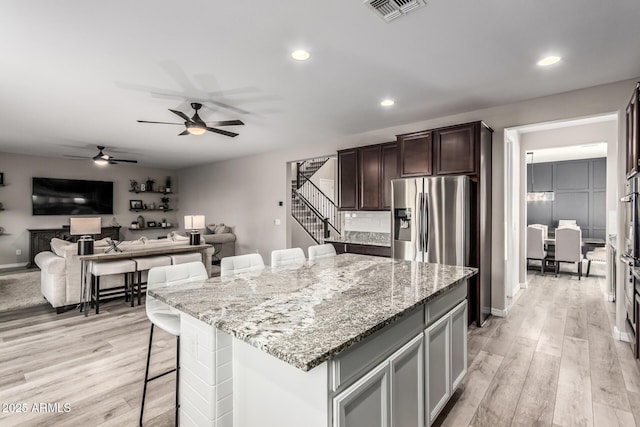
309	217
320	201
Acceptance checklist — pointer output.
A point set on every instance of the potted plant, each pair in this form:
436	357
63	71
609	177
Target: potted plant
165	203
150	183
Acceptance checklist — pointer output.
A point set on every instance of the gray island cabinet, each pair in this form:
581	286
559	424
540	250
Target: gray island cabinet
344	342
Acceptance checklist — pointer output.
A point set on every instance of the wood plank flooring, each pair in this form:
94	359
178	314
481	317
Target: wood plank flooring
551	362
94	364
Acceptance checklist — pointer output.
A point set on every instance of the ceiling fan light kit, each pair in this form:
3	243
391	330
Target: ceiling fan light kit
196	126
102	159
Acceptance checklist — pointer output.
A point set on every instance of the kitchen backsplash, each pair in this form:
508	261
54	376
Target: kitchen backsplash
373	222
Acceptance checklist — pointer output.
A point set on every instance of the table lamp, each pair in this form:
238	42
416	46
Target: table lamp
85	227
194	222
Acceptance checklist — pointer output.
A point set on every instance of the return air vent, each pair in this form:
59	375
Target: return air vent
389	10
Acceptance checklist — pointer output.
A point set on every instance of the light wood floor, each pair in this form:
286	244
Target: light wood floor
95	364
552	361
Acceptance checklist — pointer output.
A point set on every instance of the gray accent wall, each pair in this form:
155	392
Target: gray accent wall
580	193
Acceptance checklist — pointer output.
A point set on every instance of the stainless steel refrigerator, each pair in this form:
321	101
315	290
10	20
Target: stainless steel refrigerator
430	219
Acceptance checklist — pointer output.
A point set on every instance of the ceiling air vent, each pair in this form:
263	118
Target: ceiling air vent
389	10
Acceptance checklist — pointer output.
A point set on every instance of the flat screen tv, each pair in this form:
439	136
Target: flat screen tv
51	196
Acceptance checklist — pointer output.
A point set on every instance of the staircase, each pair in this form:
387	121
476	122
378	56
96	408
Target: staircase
313	210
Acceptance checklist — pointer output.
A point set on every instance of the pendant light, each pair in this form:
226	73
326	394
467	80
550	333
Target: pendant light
537	196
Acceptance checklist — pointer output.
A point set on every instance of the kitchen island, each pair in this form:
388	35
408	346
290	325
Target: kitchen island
350	340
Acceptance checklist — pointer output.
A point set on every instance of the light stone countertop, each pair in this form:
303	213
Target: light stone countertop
306	314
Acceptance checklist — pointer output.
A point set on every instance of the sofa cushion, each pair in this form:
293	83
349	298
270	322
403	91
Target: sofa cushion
58	246
219	238
176	237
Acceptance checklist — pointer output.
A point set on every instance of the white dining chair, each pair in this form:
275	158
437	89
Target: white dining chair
167	318
565	222
545	229
568	248
595	255
291	256
240	264
535	246
317	252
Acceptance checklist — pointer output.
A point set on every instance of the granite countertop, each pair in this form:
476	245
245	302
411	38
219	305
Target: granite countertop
307	313
357	241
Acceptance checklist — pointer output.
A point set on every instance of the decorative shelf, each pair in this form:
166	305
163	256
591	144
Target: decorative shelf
150	228
150	210
151	192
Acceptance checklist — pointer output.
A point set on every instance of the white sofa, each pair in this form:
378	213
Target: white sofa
60	267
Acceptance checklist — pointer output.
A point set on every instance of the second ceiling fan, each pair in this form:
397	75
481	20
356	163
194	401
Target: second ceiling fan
196	126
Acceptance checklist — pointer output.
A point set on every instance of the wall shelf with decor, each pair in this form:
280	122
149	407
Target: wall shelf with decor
150	210
151	192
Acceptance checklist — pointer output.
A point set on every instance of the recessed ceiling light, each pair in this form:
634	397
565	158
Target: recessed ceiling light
549	60
387	102
300	55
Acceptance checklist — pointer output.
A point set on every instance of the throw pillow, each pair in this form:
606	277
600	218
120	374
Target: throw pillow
58	246
220	229
211	228
103	242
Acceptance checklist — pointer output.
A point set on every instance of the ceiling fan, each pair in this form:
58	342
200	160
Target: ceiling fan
102	159
196	126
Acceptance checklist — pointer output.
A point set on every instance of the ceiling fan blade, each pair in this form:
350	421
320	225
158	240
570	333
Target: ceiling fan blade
181	114
122	160
78	157
160	123
226	123
185	132
222	132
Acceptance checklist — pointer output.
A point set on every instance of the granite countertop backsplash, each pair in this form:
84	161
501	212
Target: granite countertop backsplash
363	238
304	314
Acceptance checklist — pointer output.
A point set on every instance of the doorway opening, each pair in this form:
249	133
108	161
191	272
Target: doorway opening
570	157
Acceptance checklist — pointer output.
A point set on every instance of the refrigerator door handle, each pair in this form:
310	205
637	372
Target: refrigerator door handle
418	219
425	220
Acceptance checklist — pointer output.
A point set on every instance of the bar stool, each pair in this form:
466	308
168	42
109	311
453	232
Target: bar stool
240	264
317	252
167	318
291	256
185	258
106	268
144	264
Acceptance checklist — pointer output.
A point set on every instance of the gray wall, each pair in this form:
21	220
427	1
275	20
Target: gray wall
16	198
579	187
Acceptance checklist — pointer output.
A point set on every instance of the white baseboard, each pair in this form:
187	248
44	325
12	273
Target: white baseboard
621	336
515	290
499	313
16	265
524	285
609	297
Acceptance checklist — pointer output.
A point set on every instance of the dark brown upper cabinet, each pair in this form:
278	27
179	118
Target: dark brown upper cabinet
348	179
454	150
416	153
370	174
375	166
389	172
633	134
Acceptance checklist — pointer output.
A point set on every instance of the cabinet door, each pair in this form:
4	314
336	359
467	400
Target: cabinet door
455	150
365	403
370	177
389	172
458	344
415	154
437	367
348	179
632	139
407	385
